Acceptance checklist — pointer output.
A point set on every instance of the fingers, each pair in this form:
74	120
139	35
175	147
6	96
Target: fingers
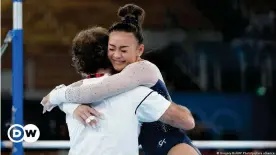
94	123
83	118
44	101
46	106
94	112
88	115
82	121
44	110
90	119
49	107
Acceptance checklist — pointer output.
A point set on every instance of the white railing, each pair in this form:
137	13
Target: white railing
199	144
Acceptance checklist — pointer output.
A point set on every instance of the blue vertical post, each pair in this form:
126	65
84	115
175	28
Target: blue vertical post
17	70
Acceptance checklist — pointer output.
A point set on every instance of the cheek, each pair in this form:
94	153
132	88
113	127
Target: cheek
129	57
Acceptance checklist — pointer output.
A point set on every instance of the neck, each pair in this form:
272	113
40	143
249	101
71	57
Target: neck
139	59
105	71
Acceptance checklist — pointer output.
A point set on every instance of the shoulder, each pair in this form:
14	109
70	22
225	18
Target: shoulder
93	80
143	65
142	90
138	92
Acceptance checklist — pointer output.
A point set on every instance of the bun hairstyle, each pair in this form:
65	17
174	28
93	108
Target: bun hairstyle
132	18
132	14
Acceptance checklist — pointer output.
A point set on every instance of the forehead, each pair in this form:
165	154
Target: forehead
125	38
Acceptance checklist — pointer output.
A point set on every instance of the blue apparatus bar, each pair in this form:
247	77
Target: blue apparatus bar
17	71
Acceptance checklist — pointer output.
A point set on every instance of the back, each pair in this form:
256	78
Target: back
158	131
117	134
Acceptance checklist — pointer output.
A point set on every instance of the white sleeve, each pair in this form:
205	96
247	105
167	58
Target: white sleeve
136	74
68	108
152	107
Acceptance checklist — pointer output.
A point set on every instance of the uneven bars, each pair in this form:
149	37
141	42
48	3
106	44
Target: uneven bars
17	71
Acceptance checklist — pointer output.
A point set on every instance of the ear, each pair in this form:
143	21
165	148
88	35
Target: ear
140	50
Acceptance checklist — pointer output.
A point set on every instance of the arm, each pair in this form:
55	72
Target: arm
136	74
155	107
69	108
179	117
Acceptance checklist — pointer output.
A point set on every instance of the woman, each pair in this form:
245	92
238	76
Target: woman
125	48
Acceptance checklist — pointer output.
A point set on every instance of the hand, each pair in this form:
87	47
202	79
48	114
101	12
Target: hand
47	105
45	100
87	115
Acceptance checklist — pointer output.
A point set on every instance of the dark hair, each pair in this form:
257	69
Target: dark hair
132	17
89	50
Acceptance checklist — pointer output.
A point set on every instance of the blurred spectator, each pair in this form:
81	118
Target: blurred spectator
64	135
229	135
271	95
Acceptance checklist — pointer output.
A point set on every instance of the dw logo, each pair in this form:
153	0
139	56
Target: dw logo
29	133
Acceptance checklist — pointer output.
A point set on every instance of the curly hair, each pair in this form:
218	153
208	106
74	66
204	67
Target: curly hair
89	50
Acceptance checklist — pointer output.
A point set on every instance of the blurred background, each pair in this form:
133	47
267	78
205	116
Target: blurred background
217	57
